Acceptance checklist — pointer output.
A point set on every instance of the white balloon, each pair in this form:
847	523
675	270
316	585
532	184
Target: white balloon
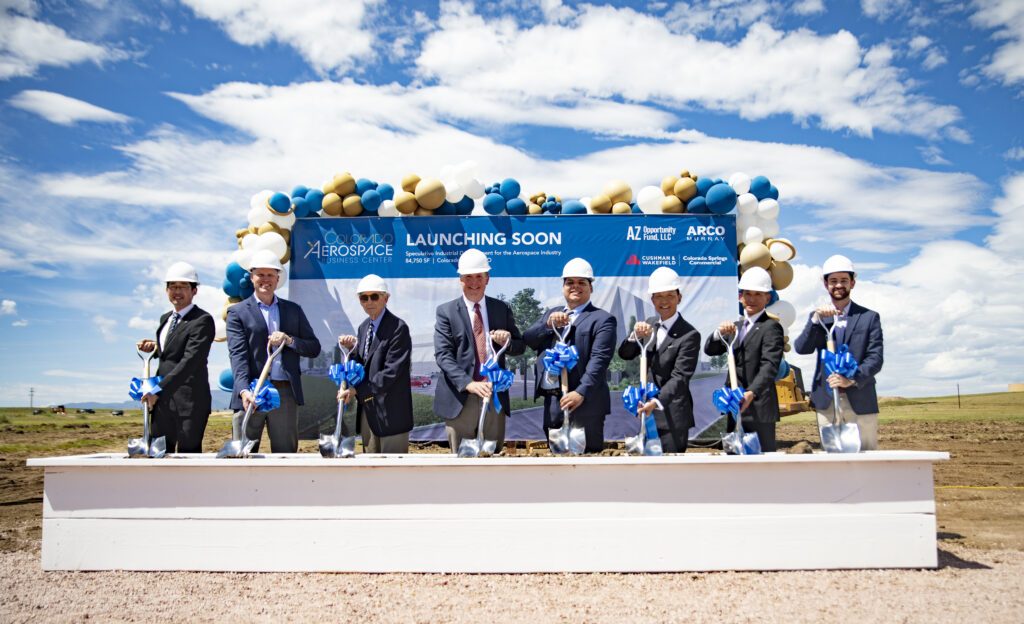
746	204
474	189
251	242
768	208
781	252
649	199
447	172
465	172
752	235
243	257
785	311
259	215
273	242
259	200
740	182
455	191
743	222
285	221
770	227
387	209
586	202
220	329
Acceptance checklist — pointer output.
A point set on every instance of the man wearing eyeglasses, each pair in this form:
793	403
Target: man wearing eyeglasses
463	329
383	346
860	329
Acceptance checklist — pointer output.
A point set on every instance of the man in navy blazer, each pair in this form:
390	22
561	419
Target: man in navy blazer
593	334
383	346
254	324
462	330
860	329
181	402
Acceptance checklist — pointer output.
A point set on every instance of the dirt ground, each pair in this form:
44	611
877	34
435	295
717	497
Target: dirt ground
980	503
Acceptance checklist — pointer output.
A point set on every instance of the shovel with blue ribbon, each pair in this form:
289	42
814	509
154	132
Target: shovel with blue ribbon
558	360
646	441
138	388
265	398
729	401
346	373
501	380
840	436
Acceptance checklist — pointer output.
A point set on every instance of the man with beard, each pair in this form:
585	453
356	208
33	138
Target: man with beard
860	329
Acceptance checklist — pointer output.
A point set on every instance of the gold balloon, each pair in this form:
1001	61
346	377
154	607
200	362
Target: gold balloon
685	189
287	255
344	184
352	206
618	191
601	204
782	274
241	233
535	208
621	208
328	187
755	255
685	173
269	226
430	194
672	205
332	205
405	202
668	183
423	212
286	235
253	229
409	183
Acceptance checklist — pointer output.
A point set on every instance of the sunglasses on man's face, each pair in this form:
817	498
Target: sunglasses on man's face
369	297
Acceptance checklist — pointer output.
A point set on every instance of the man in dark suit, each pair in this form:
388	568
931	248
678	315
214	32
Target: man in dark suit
593	334
462	330
181	402
758	350
860	329
672	360
383	346
253	324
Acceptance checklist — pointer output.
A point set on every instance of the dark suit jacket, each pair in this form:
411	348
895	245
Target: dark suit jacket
185	387
863	337
671	367
247	344
757	364
594	336
384	395
455	352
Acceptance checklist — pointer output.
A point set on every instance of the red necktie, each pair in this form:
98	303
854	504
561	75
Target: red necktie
481	341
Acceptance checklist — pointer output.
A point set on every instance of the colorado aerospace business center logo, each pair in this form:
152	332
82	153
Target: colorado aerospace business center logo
352	248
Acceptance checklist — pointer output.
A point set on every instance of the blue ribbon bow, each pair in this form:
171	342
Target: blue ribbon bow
728	400
841	362
558	357
501	379
632	396
268	397
138	388
351	372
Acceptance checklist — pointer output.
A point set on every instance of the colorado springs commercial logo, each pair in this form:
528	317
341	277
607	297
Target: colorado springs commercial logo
335	248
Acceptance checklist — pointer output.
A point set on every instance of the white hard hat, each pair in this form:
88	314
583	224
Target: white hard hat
265	259
181	272
473	261
757	279
663	279
837	264
372	283
578	267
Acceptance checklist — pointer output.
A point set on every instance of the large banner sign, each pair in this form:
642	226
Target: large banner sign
418	257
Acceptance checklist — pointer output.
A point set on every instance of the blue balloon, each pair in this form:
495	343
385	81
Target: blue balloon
314	200
774	296
231	288
226	380
464	206
635	208
697	205
234	272
721	198
783	370
773	192
574	207
552	207
494	204
515	206
371	201
363	185
703	184
386	191
300	191
280	203
759	187
509	188
301	207
245	287
446	209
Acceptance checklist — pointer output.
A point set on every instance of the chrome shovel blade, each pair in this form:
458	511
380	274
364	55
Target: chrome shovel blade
634	446
137	447
577	441
558	439
348	447
653	448
489	447
751	444
328	445
236	448
158	447
732	444
849	438
830	441
469	447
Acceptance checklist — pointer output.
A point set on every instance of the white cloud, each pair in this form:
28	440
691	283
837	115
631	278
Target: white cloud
882	9
808	7
8	306
722	16
932	155
79	374
1014	153
64	110
829	79
26	44
19	323
933	58
106	326
1006	18
329	35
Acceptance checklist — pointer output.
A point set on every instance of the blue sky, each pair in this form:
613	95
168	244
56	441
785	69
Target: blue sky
133	135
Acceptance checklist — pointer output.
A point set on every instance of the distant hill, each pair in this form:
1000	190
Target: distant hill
220	402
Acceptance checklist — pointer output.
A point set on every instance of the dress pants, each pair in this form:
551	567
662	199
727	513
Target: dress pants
182	434
398	443
282	423
464	425
867	423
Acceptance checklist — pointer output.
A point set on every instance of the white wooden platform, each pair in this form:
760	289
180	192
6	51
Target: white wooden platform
438	513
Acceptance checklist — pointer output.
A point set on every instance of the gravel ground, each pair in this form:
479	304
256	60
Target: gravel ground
969	585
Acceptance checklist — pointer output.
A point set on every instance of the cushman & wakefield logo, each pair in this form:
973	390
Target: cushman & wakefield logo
351	248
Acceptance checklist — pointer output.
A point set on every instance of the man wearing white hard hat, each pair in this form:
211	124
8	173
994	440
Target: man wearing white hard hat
860	329
462	330
593	333
672	359
758	350
383	346
181	402
263	320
